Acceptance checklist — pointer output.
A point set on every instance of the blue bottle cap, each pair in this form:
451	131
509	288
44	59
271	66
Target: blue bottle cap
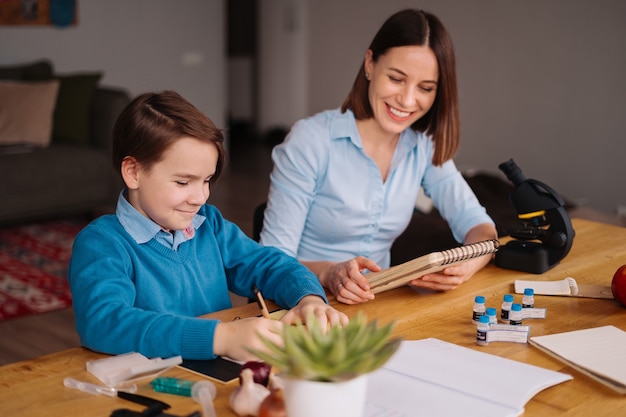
490	311
483	319
516	307
479	299
529	291
508	298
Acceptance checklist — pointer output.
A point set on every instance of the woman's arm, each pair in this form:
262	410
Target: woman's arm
453	276
467	219
298	163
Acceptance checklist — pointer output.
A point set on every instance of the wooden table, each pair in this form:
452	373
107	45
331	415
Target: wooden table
35	387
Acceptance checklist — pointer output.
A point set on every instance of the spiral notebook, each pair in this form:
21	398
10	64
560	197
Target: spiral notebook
402	274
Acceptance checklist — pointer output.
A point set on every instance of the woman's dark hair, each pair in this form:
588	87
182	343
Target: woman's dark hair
417	28
153	121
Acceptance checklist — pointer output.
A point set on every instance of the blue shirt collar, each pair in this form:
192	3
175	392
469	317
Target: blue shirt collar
343	126
142	229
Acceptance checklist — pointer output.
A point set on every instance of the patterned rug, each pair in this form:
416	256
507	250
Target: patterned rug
33	267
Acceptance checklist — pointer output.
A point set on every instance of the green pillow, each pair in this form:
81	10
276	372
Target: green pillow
34	71
72	114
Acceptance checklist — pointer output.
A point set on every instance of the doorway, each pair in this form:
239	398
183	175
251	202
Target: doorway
242	59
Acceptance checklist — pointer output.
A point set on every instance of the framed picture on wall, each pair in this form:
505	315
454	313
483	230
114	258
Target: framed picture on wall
38	12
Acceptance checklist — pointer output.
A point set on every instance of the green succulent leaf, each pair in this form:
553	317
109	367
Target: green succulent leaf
337	354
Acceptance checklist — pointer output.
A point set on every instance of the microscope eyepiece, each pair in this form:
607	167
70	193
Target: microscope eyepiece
512	172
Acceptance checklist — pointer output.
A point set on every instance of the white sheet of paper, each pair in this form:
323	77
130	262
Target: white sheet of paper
599	351
433	378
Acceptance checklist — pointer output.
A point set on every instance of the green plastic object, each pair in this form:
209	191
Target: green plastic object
172	386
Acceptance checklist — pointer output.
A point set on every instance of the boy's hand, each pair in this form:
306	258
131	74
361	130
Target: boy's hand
234	338
325	314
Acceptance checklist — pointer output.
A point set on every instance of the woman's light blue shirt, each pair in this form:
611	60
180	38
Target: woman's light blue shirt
328	201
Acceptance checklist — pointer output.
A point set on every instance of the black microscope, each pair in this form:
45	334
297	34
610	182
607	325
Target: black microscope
546	233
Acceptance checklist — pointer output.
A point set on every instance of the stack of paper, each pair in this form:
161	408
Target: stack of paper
434	378
115	370
598	352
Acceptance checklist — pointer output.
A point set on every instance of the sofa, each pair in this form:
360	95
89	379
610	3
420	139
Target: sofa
55	134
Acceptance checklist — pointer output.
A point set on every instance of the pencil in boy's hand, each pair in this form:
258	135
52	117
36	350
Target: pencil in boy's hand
261	302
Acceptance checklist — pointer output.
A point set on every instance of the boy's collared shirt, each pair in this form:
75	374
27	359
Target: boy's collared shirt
142	229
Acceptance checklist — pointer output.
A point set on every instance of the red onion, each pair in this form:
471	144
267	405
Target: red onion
260	372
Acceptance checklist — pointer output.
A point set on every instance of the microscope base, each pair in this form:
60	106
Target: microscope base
524	256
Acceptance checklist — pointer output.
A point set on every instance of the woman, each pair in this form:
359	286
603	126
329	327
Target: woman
345	181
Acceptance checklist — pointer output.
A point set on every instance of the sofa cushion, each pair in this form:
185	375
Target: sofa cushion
55	181
34	71
107	104
73	108
26	110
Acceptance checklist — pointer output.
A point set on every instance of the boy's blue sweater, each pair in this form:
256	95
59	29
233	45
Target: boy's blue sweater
146	298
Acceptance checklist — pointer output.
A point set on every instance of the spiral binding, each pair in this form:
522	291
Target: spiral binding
401	274
472	250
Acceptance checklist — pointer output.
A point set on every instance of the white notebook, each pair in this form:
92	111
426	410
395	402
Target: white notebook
433	378
598	352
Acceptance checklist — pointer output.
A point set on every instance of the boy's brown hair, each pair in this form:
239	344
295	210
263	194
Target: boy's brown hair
153	121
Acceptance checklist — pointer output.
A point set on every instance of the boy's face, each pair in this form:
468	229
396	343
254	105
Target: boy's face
172	191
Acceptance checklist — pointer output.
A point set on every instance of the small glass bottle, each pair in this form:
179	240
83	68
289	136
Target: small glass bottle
506	307
479	308
481	330
492	314
528	301
515	316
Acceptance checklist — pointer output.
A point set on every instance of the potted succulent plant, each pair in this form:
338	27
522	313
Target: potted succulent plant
324	372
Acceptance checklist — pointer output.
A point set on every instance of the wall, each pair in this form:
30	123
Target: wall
283	62
541	82
141	45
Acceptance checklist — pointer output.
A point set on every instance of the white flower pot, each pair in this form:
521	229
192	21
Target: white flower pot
325	399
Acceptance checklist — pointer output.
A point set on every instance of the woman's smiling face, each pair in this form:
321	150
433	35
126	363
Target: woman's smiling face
403	86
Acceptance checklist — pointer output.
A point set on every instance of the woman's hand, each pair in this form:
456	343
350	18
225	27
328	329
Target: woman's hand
451	277
324	313
234	338
345	279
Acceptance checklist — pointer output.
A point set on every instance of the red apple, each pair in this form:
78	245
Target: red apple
618	285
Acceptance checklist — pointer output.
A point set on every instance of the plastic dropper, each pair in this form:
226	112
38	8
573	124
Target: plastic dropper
96	389
204	392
